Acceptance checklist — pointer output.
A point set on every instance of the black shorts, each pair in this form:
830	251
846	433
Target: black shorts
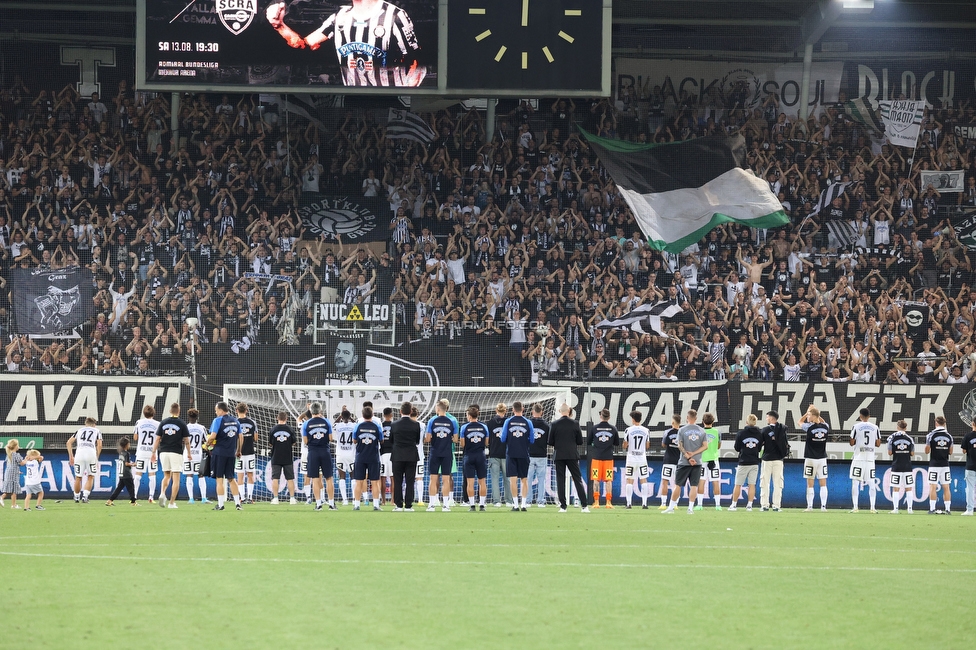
223	467
442	465
363	470
475	466
517	467
288	470
690	473
319	459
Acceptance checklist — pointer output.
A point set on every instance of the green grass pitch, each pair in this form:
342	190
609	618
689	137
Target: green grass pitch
87	576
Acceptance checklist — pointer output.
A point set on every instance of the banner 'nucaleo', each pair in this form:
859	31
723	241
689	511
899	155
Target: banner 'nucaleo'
680	191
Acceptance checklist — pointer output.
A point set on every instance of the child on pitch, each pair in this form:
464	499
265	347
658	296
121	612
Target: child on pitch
124	472
711	472
32	482
11	474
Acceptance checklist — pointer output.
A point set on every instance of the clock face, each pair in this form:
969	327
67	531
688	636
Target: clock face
519	45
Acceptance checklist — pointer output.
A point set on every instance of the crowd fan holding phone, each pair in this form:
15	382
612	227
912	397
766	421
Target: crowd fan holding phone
691	463
520	240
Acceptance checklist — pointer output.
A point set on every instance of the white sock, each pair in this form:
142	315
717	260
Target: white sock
418	490
931	504
433	500
823	496
673	504
643	495
718	500
482	500
85	493
872	495
342	489
810	497
854	493
152	485
250	490
77	495
701	499
629	492
307	490
137	482
237	499
189	487
664	498
202	484
895	498
221	500
948	504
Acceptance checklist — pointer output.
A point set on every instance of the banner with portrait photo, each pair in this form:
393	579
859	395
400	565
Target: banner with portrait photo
945	182
347	361
319	45
49	302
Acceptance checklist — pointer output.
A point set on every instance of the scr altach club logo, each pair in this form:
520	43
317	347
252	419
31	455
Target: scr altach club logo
340	216
236	15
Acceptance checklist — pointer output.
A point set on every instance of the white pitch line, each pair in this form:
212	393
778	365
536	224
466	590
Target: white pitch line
461	545
736	567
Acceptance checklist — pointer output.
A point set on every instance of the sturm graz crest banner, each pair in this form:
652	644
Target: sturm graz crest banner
48	302
357	219
965	226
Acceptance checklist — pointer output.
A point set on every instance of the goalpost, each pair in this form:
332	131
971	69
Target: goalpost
265	401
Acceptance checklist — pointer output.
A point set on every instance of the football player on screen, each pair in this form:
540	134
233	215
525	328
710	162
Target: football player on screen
374	41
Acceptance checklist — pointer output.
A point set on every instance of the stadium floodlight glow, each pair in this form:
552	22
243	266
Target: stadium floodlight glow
857	6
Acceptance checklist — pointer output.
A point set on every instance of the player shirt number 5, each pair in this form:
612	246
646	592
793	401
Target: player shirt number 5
865	436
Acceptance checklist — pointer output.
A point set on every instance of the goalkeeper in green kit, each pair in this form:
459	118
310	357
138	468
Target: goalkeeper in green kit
711	472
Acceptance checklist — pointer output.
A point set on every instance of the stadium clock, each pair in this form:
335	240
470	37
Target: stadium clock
519	45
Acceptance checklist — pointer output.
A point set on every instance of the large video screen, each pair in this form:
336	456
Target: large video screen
343	46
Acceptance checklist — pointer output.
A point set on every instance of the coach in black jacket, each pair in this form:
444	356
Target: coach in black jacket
775	447
405	434
565	436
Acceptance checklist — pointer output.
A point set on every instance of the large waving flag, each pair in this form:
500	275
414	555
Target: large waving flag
680	191
409	126
644	316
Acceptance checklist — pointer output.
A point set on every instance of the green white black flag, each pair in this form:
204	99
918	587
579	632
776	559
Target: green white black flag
680	191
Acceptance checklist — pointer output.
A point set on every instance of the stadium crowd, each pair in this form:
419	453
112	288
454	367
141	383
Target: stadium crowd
521	240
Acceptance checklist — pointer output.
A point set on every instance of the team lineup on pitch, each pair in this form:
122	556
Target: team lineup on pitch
393	460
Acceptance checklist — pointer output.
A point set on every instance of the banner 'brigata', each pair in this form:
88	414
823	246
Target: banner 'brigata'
680	191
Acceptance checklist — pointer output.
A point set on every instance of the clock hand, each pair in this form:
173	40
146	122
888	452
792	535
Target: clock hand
525	13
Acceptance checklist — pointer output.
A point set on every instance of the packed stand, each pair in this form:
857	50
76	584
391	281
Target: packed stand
520	241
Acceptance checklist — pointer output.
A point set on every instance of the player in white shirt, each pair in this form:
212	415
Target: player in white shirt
637	440
88	440
144	435
191	463
865	438
418	484
345	456
303	463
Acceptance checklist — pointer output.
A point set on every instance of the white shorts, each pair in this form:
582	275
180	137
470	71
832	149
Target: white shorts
86	463
191	465
346	463
634	470
245	464
421	468
862	470
939	475
386	465
667	472
714	474
902	479
814	468
144	464
303	465
746	475
171	461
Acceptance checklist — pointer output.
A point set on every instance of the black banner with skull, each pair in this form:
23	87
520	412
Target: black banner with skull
51	301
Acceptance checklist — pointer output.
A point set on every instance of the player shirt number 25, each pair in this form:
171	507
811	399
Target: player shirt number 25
146	433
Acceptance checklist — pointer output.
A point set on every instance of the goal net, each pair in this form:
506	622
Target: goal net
264	402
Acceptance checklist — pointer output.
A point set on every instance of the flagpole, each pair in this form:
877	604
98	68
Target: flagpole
911	170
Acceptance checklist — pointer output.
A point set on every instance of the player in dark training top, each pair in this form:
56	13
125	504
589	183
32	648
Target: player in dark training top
374	41
900	448
442	433
225	439
367	435
281	439
517	434
539	456
316	433
938	445
969	448
602	437
669	442
815	454
496	455
474	436
247	462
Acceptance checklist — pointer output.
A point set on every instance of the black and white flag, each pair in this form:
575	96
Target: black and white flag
916	315
828	195
644	317
409	126
48	302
